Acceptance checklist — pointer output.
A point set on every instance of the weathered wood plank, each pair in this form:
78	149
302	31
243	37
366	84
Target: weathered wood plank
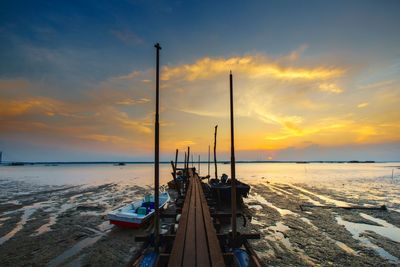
189	254
202	255
179	244
213	243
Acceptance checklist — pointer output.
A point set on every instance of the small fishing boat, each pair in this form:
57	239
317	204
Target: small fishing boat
136	214
221	189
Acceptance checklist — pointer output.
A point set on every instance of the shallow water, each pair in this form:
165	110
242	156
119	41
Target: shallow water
350	182
142	174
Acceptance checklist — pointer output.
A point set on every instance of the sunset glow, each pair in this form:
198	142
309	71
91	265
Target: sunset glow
318	96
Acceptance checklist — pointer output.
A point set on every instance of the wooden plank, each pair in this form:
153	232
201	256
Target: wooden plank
189	253
216	258
179	244
202	255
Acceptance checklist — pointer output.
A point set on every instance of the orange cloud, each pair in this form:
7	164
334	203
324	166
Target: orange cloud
255	66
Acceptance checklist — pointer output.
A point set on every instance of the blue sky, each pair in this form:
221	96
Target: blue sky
61	51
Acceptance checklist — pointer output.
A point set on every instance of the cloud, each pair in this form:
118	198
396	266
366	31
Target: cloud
278	104
330	88
363	105
253	65
131	101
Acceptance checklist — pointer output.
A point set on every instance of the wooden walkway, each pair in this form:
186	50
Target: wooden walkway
196	242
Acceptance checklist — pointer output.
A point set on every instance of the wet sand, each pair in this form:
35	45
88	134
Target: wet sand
67	226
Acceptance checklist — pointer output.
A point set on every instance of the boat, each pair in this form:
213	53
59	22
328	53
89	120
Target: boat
137	214
221	189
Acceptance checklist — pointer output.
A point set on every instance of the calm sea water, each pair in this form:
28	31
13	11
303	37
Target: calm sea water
142	174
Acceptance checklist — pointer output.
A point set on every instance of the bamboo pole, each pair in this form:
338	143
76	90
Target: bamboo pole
188	157
184	163
208	173
157	154
176	158
233	170
215	152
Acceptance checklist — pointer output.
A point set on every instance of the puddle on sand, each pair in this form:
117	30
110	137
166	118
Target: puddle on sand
387	230
325	198
341	245
52	220
28	211
275	234
263	201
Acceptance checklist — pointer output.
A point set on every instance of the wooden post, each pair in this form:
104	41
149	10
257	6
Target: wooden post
215	152
184	163
188	157
157	154
233	171
208	173
176	159
199	166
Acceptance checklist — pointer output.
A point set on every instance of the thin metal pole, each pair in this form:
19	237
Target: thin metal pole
192	161
215	152
233	171
208	160
157	154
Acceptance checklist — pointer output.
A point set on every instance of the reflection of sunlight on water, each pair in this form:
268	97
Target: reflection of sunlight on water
386	229
263	201
142	174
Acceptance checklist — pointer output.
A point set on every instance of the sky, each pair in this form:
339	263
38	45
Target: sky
313	80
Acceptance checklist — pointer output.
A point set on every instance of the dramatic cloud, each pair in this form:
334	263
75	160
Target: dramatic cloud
279	103
254	66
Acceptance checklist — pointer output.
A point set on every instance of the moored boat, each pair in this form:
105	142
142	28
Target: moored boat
136	214
221	189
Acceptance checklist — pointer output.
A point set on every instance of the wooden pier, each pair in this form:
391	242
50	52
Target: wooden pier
196	242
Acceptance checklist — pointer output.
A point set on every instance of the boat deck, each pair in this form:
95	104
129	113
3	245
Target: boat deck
196	242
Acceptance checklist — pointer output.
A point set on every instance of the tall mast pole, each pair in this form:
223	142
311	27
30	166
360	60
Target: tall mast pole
157	153
188	158
208	160
176	159
233	171
215	152
184	164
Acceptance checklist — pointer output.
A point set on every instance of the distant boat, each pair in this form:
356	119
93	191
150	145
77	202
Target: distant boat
136	214
120	164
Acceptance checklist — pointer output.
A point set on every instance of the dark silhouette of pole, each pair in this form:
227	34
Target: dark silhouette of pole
215	152
208	161
192	161
233	171
157	154
184	163
176	159
199	166
174	166
188	157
